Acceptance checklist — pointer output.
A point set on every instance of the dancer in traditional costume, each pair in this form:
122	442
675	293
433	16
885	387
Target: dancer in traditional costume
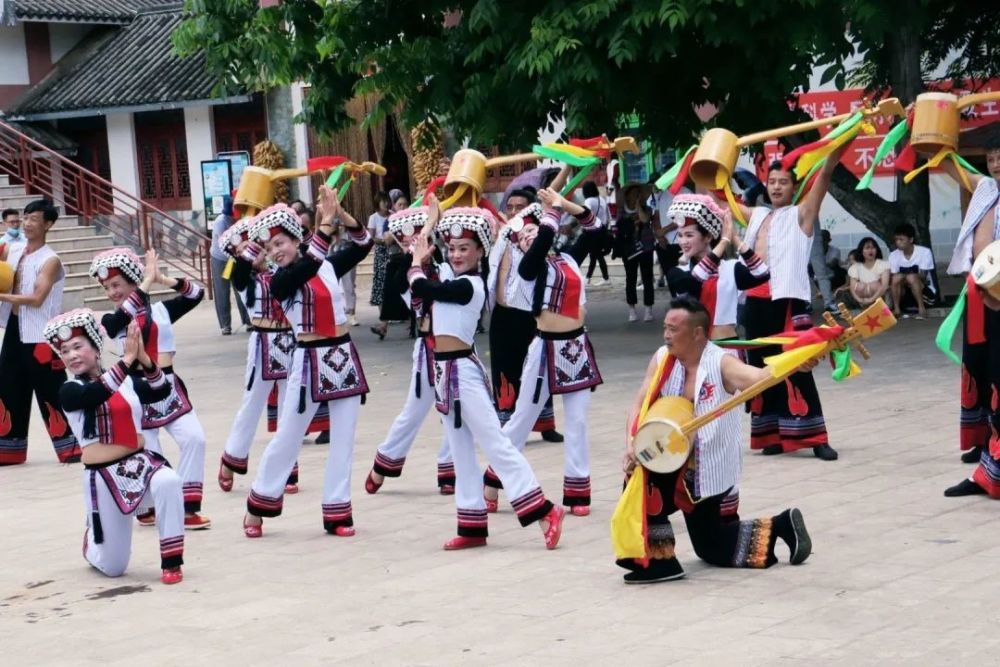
126	284
710	277
269	355
690	365
391	454
121	476
789	416
560	360
462	387
39	278
512	326
325	364
975	403
980	416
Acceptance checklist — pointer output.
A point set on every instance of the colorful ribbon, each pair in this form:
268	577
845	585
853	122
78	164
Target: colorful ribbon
946	332
893	137
677	173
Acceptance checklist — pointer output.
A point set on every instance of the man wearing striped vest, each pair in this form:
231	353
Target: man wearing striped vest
27	364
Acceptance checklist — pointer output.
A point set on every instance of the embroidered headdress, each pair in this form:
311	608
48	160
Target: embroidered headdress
117	262
407	222
467	223
275	220
235	235
79	322
698	210
529	215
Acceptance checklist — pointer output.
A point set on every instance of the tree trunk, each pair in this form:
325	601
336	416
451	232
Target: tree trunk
912	203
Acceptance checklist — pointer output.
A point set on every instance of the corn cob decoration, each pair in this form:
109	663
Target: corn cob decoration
266	154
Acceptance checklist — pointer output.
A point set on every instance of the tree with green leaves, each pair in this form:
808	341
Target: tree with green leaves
497	70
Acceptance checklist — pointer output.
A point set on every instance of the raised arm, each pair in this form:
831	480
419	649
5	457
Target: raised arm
329	211
949	167
533	262
809	208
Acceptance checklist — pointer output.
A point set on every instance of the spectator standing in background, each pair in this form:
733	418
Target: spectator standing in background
393	308
378	227
634	242
12	234
597	240
222	284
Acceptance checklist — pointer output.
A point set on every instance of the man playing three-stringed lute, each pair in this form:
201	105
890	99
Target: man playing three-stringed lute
705	488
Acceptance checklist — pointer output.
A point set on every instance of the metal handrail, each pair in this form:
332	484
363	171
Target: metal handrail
102	204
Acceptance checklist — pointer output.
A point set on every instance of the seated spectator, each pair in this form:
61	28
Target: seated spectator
912	265
869	276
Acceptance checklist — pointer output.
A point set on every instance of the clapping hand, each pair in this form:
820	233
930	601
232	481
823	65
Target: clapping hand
422	249
327	207
550	198
133	344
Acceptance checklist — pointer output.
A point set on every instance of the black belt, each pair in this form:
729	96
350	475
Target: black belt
561	335
324	342
454	354
254	329
108	464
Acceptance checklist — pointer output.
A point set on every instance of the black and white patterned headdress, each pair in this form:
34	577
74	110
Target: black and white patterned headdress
465	223
275	220
117	261
529	215
698	210
79	322
233	236
408	221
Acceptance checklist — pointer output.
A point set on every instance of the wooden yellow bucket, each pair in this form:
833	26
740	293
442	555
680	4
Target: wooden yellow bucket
468	168
256	190
986	269
935	123
660	444
6	278
717	152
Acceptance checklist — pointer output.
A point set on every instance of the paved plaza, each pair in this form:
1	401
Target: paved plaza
898	574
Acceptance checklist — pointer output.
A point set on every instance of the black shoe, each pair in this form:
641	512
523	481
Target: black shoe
771	450
964	488
973	455
226	331
658	570
323	438
552	435
791	528
825	452
379	332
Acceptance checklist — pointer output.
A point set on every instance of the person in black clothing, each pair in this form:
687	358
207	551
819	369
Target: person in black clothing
634	243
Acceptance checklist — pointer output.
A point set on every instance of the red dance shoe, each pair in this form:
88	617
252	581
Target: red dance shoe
172	576
146	518
291	489
461	542
195	521
252	531
554	531
492	505
371	486
580	510
343	531
447	489
225	483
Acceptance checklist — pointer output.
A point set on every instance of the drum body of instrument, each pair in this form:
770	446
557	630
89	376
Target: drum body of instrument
935	123
468	167
715	158
660	444
256	189
6	278
986	269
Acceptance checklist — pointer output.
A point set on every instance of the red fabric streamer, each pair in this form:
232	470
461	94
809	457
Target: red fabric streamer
789	160
434	185
906	160
975	313
325	162
682	175
590	144
709	297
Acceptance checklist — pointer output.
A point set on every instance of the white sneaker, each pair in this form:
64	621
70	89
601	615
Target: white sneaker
597	282
353	321
632	316
649	315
